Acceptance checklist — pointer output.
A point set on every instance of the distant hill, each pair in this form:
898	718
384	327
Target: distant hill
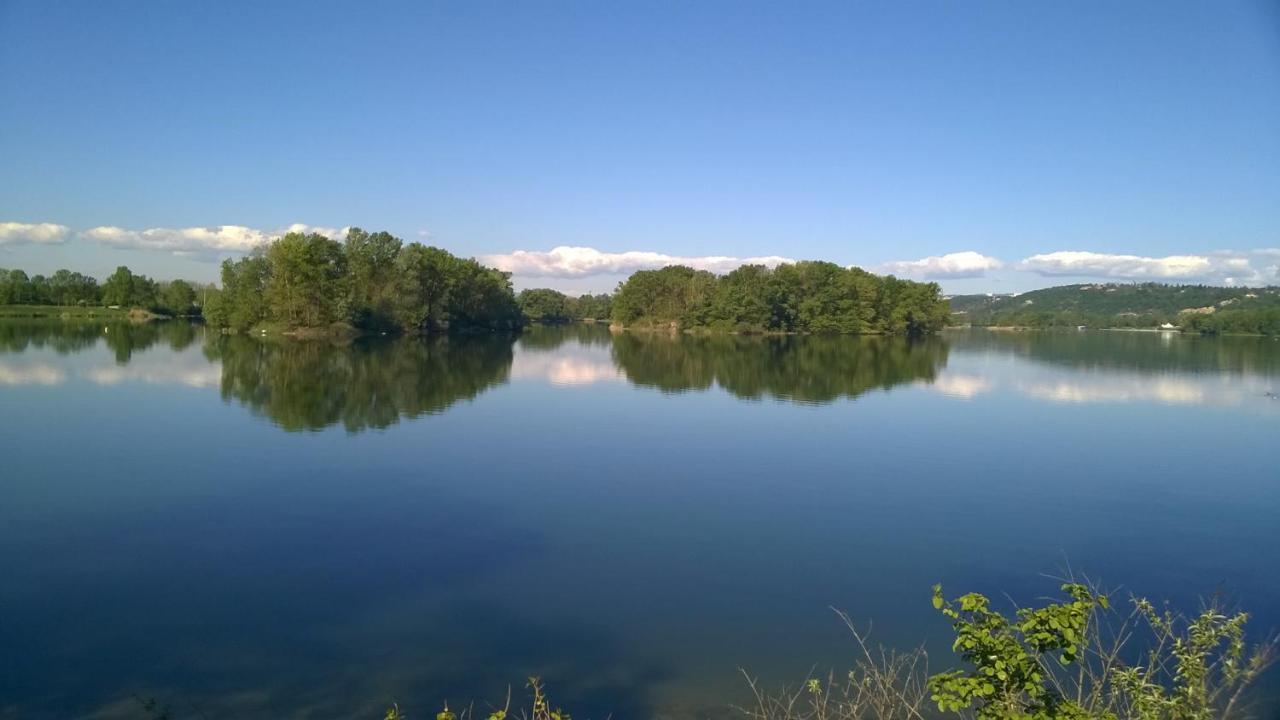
1108	304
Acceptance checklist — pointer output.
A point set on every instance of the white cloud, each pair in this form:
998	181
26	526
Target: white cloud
16	233
966	264
1091	264
1226	266
331	233
217	238
572	262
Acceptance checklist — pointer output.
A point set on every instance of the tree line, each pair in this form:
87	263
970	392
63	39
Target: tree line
804	297
372	281
122	289
375	282
546	306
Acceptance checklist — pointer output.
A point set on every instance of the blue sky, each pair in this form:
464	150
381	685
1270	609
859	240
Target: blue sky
1047	142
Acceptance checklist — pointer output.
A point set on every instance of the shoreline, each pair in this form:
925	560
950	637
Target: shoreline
672	329
72	312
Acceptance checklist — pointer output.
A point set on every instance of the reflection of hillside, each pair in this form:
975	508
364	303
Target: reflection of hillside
75	335
1141	351
801	368
313	385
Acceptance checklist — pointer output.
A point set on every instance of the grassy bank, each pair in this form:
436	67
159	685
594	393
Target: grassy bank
72	312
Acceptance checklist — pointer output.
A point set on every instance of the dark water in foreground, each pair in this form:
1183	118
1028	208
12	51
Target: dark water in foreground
263	529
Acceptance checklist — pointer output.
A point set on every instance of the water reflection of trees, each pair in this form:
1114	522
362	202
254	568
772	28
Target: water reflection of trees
812	369
367	384
66	337
1140	351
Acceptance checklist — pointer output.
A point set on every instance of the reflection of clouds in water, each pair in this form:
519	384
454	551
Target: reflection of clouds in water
1215	390
962	386
1067	386
565	368
46	375
1163	390
210	375
166	370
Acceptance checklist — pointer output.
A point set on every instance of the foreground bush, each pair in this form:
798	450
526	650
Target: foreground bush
1075	659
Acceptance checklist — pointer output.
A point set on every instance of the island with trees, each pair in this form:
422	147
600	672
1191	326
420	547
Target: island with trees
371	283
804	297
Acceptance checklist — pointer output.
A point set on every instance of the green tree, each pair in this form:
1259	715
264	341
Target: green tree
661	297
592	307
424	276
372	277
543	305
72	288
17	288
242	303
743	301
481	298
306	284
118	288
178	297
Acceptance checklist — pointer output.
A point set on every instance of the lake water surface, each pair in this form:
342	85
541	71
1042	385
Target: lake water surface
247	528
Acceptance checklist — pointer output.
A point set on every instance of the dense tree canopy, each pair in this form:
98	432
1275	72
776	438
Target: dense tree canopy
666	296
372	281
807	297
542	305
372	287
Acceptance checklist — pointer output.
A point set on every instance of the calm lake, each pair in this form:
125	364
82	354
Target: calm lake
247	528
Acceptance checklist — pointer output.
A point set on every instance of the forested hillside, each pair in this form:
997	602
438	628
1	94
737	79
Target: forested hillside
1202	308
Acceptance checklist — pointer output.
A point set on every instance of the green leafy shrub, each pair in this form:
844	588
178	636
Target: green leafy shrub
1076	660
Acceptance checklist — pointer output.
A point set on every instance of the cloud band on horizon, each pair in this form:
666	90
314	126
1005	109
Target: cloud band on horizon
1226	266
575	262
1229	267
216	238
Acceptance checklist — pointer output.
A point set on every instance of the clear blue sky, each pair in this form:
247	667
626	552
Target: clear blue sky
860	132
